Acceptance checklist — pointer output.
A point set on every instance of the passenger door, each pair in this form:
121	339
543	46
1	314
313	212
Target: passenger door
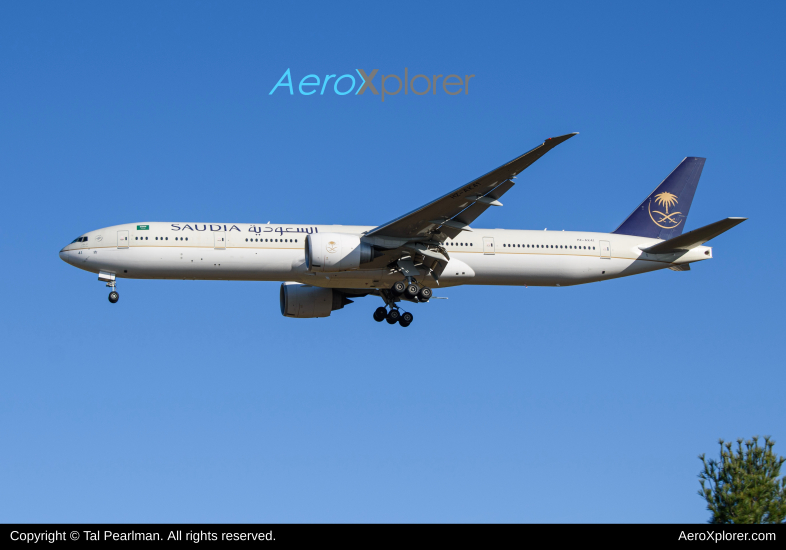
221	239
605	249
122	239
488	245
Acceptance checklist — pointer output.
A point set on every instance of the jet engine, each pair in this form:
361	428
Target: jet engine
329	252
305	301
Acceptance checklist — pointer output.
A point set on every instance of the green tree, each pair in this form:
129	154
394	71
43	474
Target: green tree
743	486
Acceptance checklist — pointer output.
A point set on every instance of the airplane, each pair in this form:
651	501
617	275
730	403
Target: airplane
322	268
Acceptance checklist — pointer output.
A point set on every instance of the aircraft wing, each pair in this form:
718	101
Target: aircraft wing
451	214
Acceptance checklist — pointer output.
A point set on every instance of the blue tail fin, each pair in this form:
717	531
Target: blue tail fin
662	215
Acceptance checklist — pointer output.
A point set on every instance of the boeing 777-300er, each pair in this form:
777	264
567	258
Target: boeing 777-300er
322	267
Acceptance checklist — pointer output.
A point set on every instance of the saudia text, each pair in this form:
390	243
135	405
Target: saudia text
251	229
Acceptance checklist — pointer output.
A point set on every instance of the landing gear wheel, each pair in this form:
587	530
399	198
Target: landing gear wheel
114	297
412	290
425	294
399	287
393	316
406	319
379	314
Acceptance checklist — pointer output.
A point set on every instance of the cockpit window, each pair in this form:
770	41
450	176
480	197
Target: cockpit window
79	240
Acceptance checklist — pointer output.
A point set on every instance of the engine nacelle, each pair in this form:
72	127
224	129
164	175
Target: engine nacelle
329	252
305	301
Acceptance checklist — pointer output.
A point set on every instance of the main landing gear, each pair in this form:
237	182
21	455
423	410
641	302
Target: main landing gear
412	291
393	316
406	290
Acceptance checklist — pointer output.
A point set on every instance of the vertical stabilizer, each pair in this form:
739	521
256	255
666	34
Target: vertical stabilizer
663	214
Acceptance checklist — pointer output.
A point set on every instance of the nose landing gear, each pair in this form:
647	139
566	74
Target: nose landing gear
109	279
113	296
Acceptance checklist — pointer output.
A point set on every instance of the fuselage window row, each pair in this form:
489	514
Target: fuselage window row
84	239
272	240
570	247
161	238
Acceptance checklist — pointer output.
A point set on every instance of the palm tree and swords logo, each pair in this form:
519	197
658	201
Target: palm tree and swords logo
666	200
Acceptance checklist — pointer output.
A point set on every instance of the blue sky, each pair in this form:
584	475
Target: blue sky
198	401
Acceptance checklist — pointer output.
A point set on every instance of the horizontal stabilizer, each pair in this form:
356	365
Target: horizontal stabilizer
694	238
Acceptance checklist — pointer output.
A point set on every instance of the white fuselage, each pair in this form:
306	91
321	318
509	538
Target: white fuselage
271	252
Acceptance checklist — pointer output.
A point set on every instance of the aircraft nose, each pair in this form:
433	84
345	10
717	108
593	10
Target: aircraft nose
64	255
